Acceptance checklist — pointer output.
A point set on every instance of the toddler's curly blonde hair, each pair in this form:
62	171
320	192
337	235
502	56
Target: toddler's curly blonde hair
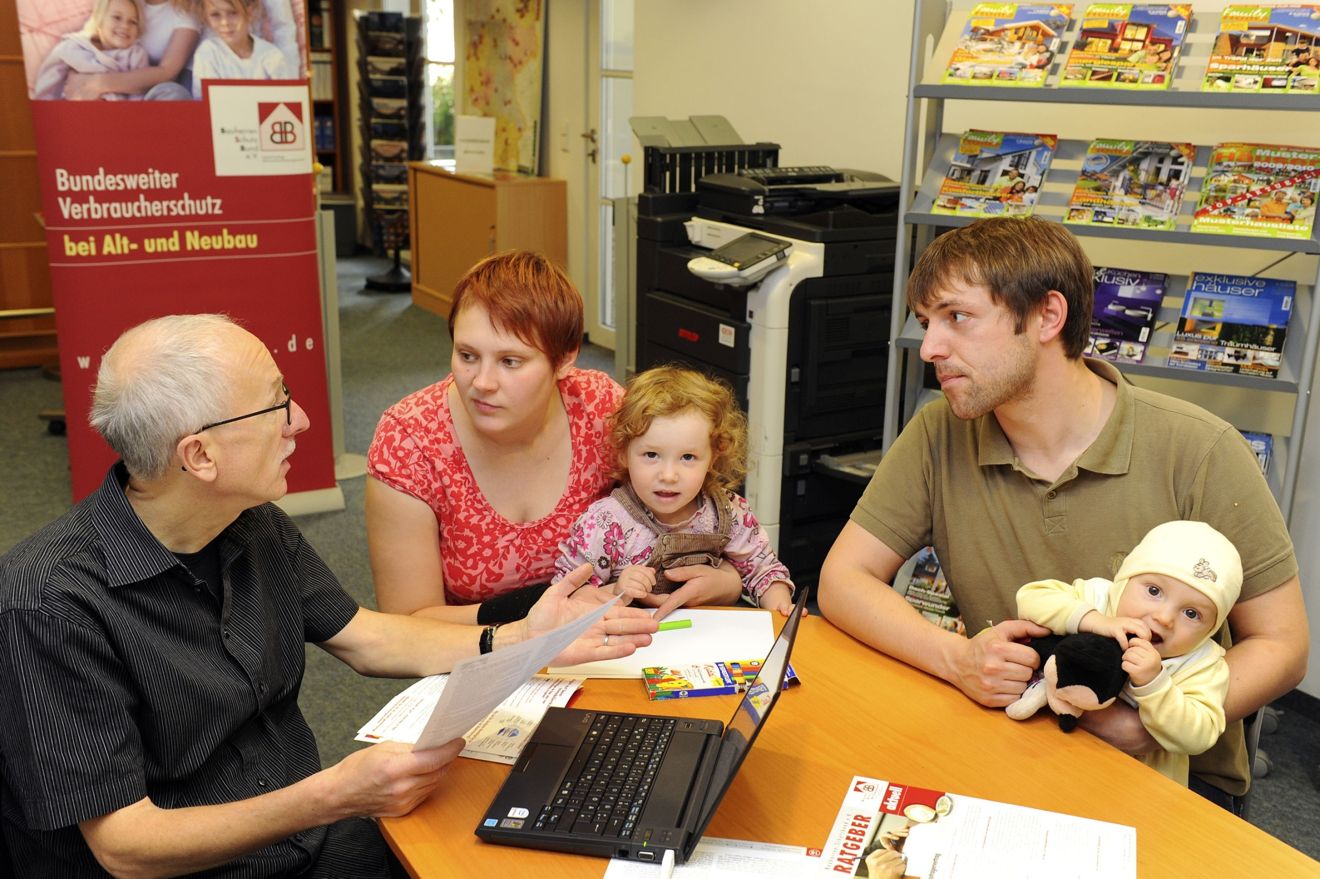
665	391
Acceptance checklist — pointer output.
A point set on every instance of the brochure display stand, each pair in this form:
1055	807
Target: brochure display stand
928	150
390	89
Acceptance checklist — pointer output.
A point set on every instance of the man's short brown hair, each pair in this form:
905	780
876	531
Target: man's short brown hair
1018	261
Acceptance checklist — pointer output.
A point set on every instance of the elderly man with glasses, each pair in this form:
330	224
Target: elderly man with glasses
152	642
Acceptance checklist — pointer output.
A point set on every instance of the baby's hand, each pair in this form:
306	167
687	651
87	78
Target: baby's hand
1141	661
1117	628
634	582
778	597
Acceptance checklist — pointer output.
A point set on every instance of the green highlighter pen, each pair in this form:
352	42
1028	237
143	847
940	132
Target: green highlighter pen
669	625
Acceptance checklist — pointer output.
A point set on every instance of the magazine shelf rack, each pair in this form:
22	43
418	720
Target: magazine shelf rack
928	149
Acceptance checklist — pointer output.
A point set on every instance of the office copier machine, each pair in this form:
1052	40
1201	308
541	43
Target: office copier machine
804	346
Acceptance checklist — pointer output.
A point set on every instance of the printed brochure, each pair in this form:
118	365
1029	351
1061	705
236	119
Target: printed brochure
1259	189
1008	44
1266	49
995	173
1136	183
704	679
1233	323
883	827
1123	316
1127	46
921	581
1263	445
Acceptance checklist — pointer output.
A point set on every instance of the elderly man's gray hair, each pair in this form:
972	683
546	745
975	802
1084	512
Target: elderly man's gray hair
160	381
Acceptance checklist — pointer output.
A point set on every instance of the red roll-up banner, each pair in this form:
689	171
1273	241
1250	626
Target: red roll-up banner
156	202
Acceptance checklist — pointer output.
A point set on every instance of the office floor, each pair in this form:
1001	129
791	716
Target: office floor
390	348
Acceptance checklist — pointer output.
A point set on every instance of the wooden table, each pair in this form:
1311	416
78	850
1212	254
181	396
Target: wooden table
861	713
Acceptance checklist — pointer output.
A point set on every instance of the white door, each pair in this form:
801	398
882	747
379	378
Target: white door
607	140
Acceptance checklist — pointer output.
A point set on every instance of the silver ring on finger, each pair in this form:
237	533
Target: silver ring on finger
607	640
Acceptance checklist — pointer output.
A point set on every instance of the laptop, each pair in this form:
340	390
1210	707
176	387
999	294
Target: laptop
631	785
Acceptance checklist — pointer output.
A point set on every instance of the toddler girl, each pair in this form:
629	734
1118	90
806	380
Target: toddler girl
108	43
230	49
680	444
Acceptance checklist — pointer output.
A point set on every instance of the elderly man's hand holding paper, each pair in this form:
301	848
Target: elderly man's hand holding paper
558	626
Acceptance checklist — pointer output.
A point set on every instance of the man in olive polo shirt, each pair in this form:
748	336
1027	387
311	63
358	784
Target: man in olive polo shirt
1039	463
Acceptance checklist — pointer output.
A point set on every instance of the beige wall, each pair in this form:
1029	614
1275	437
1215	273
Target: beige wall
827	81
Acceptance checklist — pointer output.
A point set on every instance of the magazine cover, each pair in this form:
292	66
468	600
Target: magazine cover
1263	445
921	581
1123	317
1127	46
1259	189
1266	49
1232	323
1137	183
1008	44
704	679
995	173
885	830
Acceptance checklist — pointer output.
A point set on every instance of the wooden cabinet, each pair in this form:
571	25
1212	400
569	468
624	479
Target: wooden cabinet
458	219
24	273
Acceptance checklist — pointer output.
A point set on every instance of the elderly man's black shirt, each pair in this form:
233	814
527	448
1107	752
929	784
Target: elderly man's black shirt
123	676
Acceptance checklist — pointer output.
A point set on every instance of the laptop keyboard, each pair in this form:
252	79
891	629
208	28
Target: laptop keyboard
610	778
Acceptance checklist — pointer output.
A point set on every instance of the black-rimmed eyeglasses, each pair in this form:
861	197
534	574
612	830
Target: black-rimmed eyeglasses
287	406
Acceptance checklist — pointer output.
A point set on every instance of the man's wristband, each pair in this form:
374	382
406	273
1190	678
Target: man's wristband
487	642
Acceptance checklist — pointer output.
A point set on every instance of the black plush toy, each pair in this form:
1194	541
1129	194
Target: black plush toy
1082	672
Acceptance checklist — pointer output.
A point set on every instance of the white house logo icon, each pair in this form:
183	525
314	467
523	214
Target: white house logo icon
282	126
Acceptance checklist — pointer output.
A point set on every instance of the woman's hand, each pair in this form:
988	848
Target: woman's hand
702	584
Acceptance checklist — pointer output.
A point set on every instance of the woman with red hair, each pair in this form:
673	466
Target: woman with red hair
476	479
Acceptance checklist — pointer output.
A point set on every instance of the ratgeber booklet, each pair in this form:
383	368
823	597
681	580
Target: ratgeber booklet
957	837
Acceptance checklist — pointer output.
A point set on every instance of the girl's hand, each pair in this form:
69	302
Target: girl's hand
780	598
1141	661
82	87
702	584
635	581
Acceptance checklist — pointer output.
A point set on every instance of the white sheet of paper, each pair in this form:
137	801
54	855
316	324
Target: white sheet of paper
474	144
715	636
498	737
716	858
981	838
479	683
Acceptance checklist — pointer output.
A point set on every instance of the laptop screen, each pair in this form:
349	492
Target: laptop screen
748	718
